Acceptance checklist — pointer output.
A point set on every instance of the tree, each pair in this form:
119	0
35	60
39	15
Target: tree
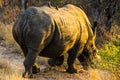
106	8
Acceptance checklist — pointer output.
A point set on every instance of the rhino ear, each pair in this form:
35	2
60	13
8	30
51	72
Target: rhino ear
94	27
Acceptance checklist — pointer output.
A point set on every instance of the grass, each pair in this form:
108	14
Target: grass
7	72
6	36
2	31
110	61
14	76
110	58
0	2
4	68
6	33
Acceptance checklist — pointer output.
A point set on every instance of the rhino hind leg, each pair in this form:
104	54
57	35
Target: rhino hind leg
56	61
29	63
70	62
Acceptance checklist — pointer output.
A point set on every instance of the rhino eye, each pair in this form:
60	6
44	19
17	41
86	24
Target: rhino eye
91	45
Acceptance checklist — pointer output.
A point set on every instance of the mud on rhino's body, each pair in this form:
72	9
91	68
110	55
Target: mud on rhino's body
51	33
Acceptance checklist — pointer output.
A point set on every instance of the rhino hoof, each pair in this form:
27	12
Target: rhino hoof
25	75
71	70
85	67
35	70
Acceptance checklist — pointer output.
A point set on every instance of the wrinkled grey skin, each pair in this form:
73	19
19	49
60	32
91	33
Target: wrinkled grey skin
48	32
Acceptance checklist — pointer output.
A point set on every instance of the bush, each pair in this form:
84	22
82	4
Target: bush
110	58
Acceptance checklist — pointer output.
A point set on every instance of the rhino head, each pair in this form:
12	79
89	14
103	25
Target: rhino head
90	51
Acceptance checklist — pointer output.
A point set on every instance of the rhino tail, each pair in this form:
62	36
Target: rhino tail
18	28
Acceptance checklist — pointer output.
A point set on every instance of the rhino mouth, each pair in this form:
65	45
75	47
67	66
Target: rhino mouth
88	57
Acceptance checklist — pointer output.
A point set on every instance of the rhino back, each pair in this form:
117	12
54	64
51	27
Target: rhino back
70	26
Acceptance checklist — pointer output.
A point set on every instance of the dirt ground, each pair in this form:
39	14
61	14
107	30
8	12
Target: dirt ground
51	73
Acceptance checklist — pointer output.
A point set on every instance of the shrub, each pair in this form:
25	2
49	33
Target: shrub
110	58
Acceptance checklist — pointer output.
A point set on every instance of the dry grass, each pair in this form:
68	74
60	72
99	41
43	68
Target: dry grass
14	76
0	3
5	67
7	72
1	31
6	36
6	33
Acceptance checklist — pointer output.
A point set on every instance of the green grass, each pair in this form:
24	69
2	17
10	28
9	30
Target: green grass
110	58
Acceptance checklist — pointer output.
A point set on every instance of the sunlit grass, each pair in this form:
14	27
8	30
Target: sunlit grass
14	76
6	33
5	68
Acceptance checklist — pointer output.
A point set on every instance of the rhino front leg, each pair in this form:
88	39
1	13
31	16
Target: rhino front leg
29	63
83	60
35	68
70	62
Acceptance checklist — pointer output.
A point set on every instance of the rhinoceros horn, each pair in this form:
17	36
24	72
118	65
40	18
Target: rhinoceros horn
95	24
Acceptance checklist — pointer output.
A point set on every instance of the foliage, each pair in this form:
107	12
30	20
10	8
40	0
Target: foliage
14	6
110	58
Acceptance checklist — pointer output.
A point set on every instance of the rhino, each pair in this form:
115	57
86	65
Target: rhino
52	33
